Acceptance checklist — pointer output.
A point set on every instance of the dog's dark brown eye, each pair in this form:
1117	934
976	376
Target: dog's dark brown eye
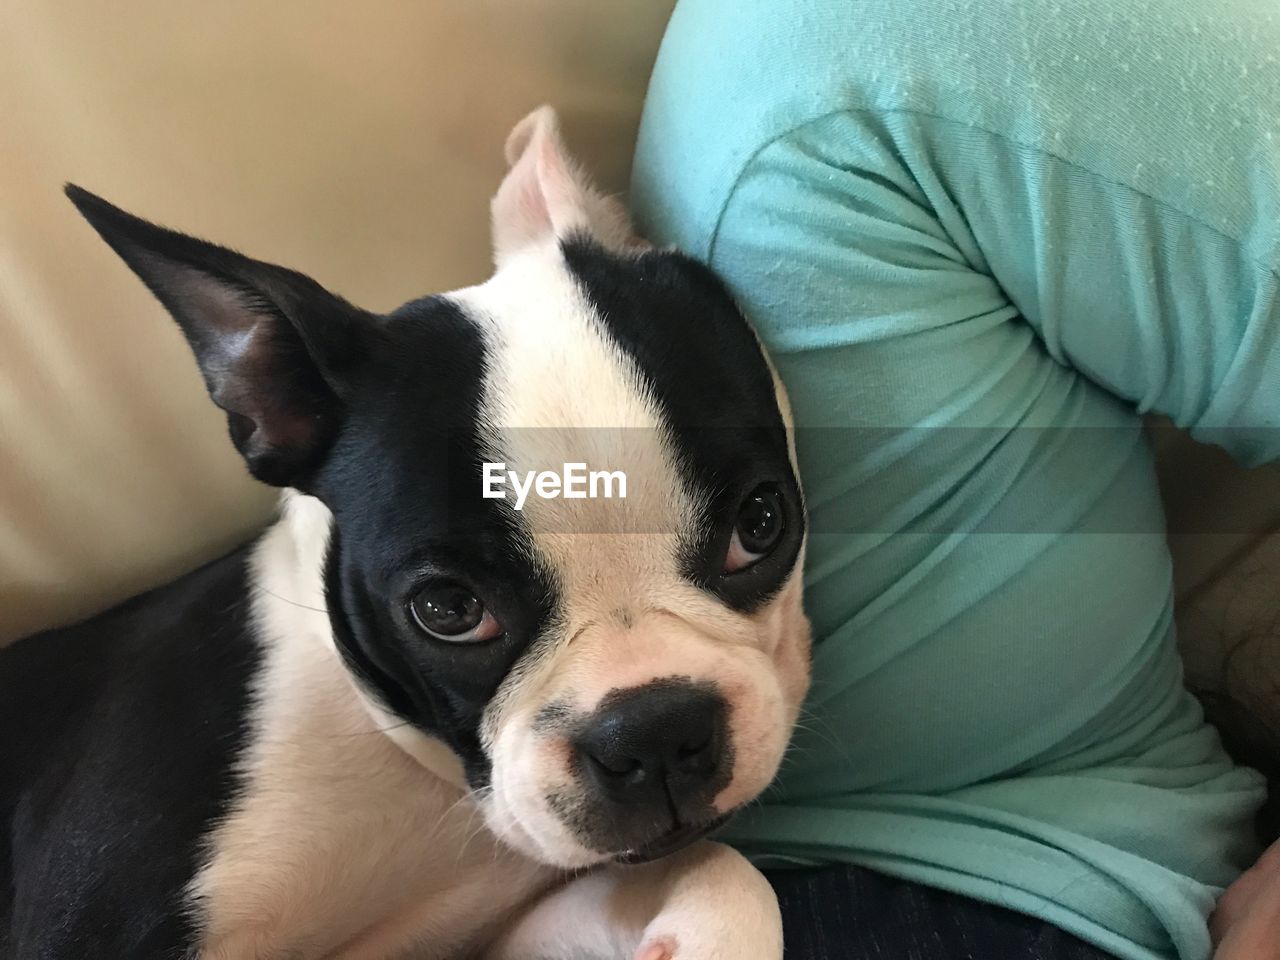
449	611
758	528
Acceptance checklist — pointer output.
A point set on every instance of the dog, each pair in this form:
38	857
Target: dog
411	720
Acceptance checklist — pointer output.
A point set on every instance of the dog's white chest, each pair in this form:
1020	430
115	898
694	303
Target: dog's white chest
340	844
358	882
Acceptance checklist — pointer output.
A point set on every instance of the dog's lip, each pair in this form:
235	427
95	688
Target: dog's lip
671	841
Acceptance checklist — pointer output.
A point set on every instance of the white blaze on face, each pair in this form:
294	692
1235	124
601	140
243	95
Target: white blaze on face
558	391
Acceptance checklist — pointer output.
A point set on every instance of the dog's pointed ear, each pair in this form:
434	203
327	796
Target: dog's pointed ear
275	348
546	196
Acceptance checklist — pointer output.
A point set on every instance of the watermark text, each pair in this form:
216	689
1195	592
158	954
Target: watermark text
573	482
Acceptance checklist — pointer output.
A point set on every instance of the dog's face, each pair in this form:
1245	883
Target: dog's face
618	672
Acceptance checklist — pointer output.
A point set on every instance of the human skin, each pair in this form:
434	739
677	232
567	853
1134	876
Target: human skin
1246	923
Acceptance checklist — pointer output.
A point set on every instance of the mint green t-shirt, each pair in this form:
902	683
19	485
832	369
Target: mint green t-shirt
979	238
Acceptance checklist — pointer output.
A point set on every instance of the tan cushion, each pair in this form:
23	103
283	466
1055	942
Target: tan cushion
359	142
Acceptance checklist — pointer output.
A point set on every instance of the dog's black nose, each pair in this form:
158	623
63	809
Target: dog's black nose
659	745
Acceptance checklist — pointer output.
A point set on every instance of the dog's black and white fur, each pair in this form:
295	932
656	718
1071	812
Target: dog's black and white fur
409	720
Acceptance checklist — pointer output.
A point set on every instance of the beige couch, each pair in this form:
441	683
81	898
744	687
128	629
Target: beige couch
358	142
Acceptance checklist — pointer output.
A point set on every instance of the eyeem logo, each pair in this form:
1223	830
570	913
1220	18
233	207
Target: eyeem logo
574	482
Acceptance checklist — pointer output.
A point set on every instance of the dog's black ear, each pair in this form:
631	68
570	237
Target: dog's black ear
275	348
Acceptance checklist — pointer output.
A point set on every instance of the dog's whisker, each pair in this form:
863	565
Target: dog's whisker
283	599
442	820
470	834
301	741
819	726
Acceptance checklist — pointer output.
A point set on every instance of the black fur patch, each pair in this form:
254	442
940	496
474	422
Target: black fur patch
117	752
402	480
272	344
378	417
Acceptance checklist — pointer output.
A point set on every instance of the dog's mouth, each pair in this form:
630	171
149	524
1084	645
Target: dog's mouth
671	841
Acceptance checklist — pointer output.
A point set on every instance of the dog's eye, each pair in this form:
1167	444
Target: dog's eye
449	611
758	528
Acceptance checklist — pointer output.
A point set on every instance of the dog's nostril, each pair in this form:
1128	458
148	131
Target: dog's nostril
699	755
695	746
620	767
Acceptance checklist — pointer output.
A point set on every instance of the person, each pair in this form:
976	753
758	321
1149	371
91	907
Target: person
980	239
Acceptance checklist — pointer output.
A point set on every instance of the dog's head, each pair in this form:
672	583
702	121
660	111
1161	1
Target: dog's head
566	528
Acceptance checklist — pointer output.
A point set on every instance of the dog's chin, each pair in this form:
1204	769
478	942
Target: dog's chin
673	841
544	840
560	848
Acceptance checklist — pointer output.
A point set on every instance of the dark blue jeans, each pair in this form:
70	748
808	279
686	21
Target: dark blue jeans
851	913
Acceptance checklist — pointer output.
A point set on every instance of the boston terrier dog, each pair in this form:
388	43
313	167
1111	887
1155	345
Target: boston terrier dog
411	720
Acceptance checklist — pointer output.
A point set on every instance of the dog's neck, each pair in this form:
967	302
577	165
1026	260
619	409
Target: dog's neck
286	575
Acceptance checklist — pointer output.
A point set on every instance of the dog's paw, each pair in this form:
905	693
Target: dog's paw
717	907
713	936
677	947
659	948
